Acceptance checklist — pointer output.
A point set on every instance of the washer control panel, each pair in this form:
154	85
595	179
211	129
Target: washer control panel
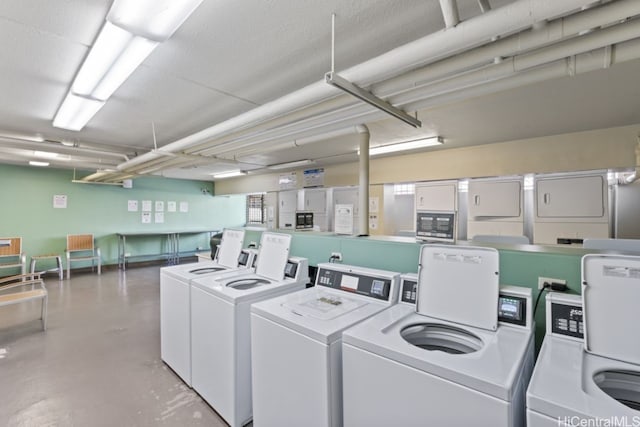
564	316
409	290
361	284
512	309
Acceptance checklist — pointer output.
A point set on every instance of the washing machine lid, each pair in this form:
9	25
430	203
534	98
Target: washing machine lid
324	306
459	284
610	295
194	270
302	312
273	255
230	247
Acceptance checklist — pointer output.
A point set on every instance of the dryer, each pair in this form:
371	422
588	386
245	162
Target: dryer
595	381
221	328
175	300
459	352
296	344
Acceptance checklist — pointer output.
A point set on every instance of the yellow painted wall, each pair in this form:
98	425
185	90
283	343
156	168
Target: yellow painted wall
599	149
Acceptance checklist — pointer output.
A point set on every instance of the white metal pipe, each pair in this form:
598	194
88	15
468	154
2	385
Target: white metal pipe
363	181
484	6
450	13
505	20
445	68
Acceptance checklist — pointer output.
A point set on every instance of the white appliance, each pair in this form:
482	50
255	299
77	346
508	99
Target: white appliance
458	352
595	382
296	344
221	327
175	302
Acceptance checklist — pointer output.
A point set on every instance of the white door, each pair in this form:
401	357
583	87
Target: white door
436	197
573	197
495	198
315	201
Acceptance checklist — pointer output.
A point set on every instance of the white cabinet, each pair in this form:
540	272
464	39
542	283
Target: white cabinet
495	199
315	201
436	196
572	197
287	204
570	207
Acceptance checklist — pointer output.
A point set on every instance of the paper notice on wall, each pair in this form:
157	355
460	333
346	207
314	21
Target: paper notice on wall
344	219
171	206
159	217
374	203
159	206
288	181
184	206
373	222
146	217
132	206
60	201
146	205
313	178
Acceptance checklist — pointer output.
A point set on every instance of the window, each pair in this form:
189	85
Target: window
255	209
404	189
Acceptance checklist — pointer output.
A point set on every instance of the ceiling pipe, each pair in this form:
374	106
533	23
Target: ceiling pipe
450	13
53	146
363	180
445	68
469	34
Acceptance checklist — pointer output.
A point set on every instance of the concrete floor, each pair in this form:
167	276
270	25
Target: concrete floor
98	363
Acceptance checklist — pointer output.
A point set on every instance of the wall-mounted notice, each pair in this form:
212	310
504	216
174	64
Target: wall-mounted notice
159	217
171	206
60	201
146	217
146	205
184	206
313	178
132	206
159	206
344	219
288	181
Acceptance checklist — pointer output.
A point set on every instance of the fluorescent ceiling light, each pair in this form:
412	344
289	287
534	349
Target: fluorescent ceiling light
291	164
229	174
335	80
76	111
35	163
45	154
404	146
132	31
152	19
68	143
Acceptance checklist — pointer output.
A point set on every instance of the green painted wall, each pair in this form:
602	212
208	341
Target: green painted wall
27	198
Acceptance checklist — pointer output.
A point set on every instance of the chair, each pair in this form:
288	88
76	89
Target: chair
37	291
622	245
80	247
11	255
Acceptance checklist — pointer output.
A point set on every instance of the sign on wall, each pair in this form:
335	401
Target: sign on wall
313	178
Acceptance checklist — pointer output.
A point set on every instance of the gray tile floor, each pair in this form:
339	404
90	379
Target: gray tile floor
98	363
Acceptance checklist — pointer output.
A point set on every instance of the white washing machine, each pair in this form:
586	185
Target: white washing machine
458	353
595	382
221	327
175	300
297	344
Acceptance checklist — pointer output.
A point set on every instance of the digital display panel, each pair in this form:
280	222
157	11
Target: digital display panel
512	310
243	258
377	287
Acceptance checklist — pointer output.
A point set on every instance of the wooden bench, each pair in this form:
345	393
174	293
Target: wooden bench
15	296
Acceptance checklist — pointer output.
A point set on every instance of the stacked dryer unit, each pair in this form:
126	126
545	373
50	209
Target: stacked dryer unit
221	327
296	344
595	381
175	300
458	353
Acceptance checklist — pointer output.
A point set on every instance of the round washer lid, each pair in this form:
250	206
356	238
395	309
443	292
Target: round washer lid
206	270
459	284
610	296
441	337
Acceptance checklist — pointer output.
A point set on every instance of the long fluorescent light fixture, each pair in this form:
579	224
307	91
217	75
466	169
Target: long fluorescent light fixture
229	174
133	29
404	146
290	164
36	163
335	80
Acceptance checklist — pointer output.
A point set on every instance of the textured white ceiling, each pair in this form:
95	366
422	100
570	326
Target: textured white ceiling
233	55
